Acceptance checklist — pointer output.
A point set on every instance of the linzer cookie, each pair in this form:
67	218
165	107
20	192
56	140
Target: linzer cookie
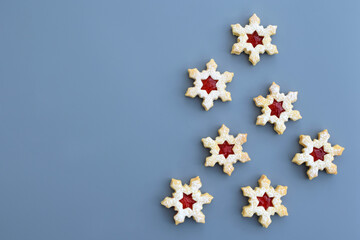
318	154
264	201
209	85
253	39
277	108
187	200
226	150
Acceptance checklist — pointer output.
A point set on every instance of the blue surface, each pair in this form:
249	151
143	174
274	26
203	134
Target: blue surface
94	121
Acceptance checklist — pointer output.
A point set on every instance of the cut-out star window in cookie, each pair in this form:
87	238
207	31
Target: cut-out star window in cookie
318	154
187	200
277	108
264	201
253	39
225	150
209	85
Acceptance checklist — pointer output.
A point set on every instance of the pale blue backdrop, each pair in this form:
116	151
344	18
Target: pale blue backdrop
94	121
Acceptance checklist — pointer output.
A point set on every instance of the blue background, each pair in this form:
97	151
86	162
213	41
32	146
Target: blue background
94	121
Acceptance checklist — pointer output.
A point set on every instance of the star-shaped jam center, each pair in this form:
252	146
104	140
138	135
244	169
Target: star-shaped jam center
265	201
318	153
276	108
255	39
187	201
226	149
209	84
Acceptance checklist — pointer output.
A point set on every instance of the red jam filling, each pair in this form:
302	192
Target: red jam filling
226	149
187	201
265	201
276	108
254	39
209	84
318	153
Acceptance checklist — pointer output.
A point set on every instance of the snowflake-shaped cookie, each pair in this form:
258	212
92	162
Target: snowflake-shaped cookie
225	150
187	200
209	85
277	108
253	39
264	201
318	154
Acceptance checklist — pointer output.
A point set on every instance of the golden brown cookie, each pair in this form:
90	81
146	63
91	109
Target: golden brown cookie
264	201
226	150
253	39
209	85
318	154
187	200
277	108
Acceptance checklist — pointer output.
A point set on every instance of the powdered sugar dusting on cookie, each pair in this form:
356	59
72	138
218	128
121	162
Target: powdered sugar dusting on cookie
318	154
255	207
226	150
268	109
209	91
194	206
254	39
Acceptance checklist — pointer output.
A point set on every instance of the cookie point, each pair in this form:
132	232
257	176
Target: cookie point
254	18
197	178
341	150
206	107
274	84
310	176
